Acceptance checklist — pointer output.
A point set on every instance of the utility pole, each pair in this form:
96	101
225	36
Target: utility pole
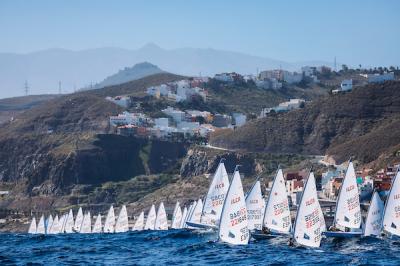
334	63
59	87
26	88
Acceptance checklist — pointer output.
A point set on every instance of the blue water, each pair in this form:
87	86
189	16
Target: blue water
183	248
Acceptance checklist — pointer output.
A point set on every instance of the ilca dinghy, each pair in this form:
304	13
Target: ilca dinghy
347	221
233	226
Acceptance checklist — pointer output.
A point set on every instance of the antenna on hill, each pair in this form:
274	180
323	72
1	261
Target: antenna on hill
334	63
26	88
59	87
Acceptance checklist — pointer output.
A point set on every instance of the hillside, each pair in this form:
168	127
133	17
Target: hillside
364	123
127	74
10	107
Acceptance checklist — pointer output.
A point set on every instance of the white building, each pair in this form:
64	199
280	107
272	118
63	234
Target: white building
123	101
239	119
224	77
308	71
127	118
377	78
292	77
346	85
177	115
161	122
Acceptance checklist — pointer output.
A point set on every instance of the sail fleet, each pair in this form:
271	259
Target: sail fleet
235	218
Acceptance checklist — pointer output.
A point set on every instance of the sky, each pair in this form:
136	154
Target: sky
363	32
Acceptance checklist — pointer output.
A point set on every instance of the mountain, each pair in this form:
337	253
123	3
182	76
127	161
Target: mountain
138	71
363	123
43	70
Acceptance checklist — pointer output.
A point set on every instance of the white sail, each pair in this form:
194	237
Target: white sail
215	198
86	227
55	226
109	224
255	205
122	224
97	227
49	223
176	217
41	228
139	224
69	223
348	211
277	212
32	226
233	224
78	220
196	213
307	229
151	219
183	220
391	217
62	223
161	222
373	223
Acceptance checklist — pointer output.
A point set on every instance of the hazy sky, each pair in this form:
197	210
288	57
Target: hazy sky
364	31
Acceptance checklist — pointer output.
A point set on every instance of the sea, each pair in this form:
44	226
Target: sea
183	247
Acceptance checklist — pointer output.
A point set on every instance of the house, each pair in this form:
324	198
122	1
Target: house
228	77
239	119
161	122
271	74
308	71
346	85
123	101
177	115
127	118
379	78
292	77
222	120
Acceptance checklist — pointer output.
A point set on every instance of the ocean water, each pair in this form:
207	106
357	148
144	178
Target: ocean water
180	247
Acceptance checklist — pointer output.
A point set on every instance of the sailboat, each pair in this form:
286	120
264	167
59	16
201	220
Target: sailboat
122	224
55	227
97	227
195	216
176	217
307	228
78	220
373	222
32	226
189	214
69	223
41	228
49	223
214	200
233	226
255	205
139	224
161	222
151	219
86	227
109	224
391	214
183	220
62	223
276	219
347	221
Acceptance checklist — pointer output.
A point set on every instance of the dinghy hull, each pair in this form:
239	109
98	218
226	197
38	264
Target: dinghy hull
201	226
339	234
